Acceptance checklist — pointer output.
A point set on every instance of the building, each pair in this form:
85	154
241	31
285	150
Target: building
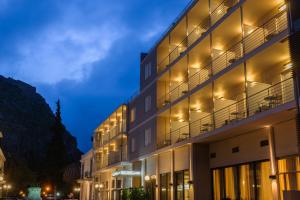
86	176
217	115
112	171
2	175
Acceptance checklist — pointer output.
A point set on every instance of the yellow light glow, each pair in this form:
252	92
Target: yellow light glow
282	8
219	94
288	66
147	178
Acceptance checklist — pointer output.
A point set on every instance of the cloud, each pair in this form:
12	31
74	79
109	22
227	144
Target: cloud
66	49
64	53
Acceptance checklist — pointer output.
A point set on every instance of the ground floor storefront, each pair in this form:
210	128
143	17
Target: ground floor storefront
260	164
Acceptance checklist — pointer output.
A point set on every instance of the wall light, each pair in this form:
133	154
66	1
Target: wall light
147	178
282	8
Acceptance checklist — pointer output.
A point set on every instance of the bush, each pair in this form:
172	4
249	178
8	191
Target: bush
134	194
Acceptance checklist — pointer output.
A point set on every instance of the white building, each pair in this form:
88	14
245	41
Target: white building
86	180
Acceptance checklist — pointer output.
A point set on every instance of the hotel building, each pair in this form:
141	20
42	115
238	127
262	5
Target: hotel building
217	115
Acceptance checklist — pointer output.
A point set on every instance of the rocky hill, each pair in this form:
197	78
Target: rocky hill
25	121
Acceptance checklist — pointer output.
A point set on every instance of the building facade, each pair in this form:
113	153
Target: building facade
112	171
86	176
222	118
217	115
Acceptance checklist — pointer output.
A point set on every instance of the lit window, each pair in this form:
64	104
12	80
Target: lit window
148	70
147	103
132	114
147	136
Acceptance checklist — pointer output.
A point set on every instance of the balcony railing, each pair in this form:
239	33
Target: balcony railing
269	98
197	32
259	36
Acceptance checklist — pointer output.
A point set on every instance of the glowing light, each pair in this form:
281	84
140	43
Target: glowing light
282	8
288	66
126	173
101	186
147	178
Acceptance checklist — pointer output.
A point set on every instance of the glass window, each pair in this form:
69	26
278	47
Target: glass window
289	175
132	114
182	186
132	144
263	181
147	136
165	193
217	184
231	183
148	70
147	103
246	182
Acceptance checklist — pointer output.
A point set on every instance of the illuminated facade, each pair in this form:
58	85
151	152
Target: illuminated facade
111	172
86	176
217	115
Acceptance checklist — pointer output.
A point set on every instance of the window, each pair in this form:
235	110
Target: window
165	191
148	70
248	181
289	175
132	144
182	185
147	103
147	136
132	114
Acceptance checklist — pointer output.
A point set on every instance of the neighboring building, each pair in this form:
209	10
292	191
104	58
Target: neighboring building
217	115
2	161
86	176
112	172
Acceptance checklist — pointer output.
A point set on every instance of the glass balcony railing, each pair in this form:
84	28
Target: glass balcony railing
263	100
197	32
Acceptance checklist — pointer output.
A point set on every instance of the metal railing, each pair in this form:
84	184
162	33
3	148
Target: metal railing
266	99
114	157
175	93
197	32
277	24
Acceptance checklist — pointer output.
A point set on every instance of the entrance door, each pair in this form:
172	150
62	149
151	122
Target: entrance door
182	186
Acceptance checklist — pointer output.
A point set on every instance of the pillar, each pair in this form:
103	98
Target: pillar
273	163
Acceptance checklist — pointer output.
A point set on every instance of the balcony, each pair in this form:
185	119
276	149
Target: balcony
197	31
254	38
266	98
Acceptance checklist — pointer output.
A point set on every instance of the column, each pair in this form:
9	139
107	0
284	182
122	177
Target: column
201	171
273	163
172	175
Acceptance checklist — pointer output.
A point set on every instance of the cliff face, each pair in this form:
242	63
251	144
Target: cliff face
26	120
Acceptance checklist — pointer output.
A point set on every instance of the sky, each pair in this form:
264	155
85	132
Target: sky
84	52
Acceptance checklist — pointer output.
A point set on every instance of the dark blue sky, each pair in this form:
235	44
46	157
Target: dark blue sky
85	52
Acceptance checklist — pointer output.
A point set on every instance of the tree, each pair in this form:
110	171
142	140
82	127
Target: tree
57	158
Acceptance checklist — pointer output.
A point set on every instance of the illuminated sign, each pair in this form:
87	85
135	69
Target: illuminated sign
126	173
